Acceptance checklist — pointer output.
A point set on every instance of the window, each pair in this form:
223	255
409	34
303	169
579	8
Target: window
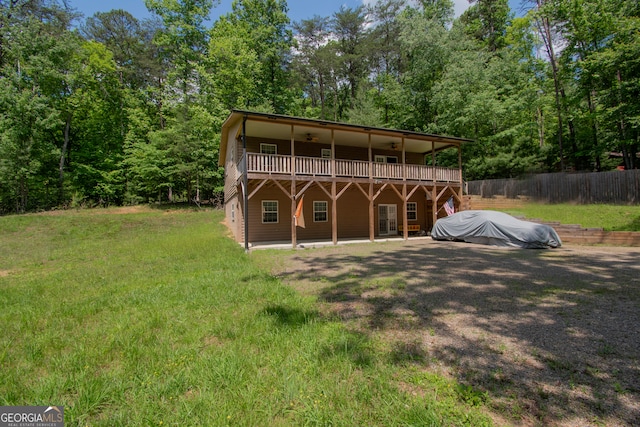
412	211
233	212
385	159
326	153
269	211
268	149
320	212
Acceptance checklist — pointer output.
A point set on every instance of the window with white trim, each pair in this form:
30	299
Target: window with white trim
385	159
233	212
326	153
269	211
412	211
320	211
268	148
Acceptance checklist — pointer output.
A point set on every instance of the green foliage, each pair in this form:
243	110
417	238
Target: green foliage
487	21
264	24
24	153
233	67
123	111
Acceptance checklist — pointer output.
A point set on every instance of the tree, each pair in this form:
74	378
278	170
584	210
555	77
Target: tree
130	42
349	30
39	55
315	62
487	21
185	143
99	125
615	71
183	42
543	16
233	67
265	23
27	158
386	55
424	42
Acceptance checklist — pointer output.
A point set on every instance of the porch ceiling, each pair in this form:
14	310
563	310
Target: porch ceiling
319	132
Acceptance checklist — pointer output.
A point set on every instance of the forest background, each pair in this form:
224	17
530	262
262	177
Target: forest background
113	110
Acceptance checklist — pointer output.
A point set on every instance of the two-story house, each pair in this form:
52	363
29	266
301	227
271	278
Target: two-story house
346	181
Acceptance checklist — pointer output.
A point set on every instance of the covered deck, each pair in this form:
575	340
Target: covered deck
354	167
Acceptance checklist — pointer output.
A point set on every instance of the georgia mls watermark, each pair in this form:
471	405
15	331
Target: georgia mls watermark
31	416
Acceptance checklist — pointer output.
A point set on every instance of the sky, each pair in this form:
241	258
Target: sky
298	9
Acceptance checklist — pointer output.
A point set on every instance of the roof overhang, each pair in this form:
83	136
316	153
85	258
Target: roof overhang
281	127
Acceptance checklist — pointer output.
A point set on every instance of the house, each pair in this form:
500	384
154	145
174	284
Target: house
347	181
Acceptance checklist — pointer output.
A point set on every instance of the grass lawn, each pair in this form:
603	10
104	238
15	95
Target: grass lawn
609	217
156	318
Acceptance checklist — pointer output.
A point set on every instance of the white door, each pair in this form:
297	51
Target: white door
387	219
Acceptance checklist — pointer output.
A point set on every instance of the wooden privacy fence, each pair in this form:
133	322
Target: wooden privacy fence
615	187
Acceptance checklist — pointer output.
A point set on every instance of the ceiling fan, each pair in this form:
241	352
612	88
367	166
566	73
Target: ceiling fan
311	138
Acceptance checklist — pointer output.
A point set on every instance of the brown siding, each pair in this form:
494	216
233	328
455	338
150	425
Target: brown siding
235	225
353	215
259	232
311	149
284	147
352	153
314	149
315	230
415	159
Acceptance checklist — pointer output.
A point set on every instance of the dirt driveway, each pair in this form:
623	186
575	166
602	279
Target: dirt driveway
552	336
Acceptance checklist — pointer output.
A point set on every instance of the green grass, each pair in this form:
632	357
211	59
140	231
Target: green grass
608	217
156	318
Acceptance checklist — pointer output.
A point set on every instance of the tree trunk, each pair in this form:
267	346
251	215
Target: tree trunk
545	30
63	156
24	191
540	127
591	95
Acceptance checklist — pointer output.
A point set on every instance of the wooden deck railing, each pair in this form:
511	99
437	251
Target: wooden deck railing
313	166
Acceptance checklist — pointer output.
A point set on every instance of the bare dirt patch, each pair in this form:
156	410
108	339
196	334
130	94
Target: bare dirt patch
551	336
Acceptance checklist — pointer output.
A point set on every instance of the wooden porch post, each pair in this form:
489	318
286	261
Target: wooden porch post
460	190
434	203
372	228
294	231
434	190
245	181
460	163
334	213
333	154
370	159
334	197
405	218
